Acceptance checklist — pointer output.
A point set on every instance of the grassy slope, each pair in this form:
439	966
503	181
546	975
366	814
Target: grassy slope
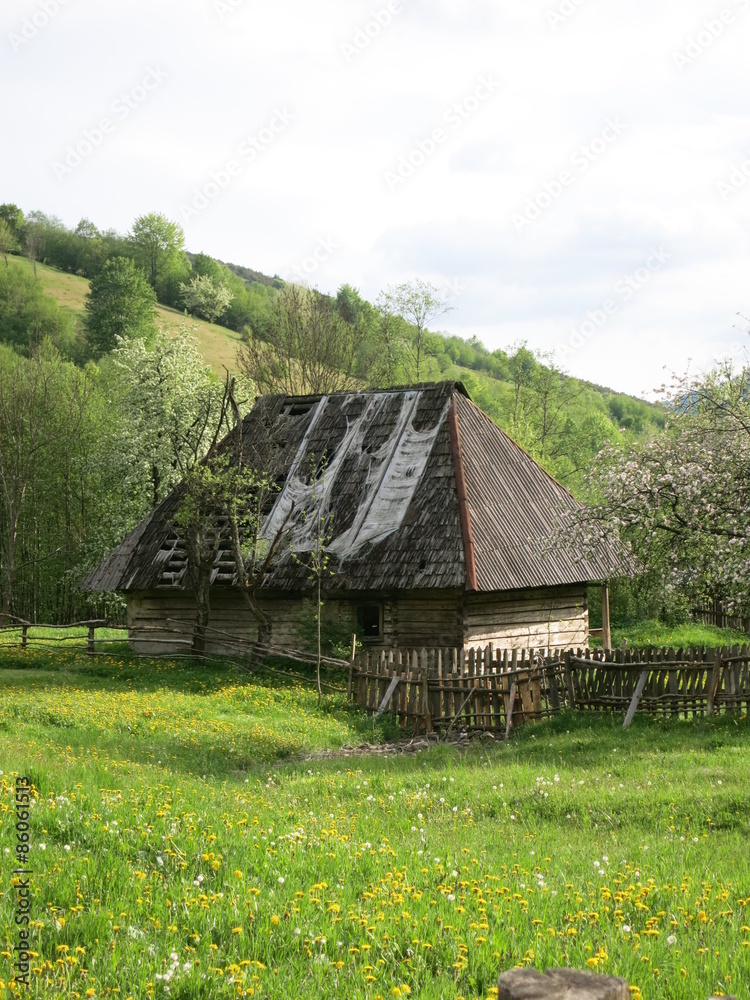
175	823
218	345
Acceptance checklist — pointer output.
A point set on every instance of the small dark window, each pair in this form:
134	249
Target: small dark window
299	409
370	621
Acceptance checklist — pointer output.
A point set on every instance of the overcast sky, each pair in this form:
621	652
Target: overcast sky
570	172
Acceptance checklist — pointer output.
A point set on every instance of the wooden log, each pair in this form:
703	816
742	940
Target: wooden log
509	710
636	698
388	695
362	681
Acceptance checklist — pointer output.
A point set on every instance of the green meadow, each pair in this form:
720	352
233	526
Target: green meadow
193	836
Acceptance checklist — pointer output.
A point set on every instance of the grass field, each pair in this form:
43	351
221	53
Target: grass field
187	842
645	633
218	345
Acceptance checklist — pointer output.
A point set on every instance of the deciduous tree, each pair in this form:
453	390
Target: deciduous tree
157	244
307	347
682	500
120	305
8	241
418	303
42	403
205	297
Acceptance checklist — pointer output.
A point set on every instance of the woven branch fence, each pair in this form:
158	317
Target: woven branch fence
494	690
487	689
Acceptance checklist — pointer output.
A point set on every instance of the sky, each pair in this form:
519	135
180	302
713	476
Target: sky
574	174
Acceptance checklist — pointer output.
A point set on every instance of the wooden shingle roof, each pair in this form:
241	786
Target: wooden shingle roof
425	492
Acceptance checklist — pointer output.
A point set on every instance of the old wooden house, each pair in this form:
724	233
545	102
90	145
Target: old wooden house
438	529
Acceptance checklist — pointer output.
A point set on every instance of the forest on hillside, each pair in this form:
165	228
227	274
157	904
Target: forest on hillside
104	408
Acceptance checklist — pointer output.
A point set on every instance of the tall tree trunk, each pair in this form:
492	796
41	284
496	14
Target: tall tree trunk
319	607
200	577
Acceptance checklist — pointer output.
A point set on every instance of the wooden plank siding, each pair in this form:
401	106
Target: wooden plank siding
551	618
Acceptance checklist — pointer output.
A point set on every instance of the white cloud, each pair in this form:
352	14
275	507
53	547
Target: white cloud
324	177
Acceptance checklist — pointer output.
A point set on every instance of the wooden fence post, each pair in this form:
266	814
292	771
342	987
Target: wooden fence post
425	671
606	628
511	703
637	694
24	636
714	682
90	650
569	679
351	667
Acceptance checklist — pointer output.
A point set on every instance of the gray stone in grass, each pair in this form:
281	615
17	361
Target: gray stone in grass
559	984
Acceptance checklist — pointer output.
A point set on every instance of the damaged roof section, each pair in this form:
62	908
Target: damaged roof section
385	465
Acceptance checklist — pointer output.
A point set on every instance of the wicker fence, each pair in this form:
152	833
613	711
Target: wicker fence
495	690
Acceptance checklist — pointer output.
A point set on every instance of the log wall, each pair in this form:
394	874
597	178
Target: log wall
556	618
553	618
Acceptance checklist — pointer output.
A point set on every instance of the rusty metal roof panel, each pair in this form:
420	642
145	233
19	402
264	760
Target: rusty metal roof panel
514	508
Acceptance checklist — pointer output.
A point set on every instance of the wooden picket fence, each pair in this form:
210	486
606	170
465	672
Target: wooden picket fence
491	690
717	613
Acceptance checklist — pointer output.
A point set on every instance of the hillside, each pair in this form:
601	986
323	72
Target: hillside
451	357
217	344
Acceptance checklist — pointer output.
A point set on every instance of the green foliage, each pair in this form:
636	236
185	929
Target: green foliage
28	316
682	500
336	631
120	306
8	241
651	633
417	303
13	217
166	396
157	246
50	428
307	347
205	297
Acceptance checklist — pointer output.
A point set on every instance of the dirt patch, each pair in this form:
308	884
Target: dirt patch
415	745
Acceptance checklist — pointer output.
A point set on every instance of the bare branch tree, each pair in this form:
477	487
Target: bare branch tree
419	303
309	347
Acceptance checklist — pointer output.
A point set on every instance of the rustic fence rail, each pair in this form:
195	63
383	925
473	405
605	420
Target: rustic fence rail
487	689
717	613
495	690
